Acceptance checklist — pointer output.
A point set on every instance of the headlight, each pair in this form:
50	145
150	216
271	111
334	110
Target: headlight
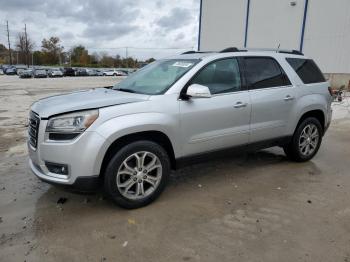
72	123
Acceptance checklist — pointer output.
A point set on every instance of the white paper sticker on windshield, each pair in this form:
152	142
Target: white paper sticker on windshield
182	64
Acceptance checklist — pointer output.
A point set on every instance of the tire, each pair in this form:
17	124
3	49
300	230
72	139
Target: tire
306	140
126	185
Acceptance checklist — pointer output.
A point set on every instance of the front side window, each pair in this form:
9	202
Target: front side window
220	76
157	77
264	72
307	70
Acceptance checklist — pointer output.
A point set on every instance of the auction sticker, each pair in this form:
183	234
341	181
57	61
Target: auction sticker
182	64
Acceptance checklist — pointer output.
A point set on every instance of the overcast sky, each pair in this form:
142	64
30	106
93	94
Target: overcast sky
101	25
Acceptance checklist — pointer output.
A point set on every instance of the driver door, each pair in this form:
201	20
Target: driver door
221	121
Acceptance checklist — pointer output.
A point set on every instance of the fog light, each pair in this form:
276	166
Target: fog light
60	169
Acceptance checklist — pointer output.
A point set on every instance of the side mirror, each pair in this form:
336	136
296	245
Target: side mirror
198	91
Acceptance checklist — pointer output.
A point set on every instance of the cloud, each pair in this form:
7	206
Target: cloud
177	18
105	24
108	31
179	36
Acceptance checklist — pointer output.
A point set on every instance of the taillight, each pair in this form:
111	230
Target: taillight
330	90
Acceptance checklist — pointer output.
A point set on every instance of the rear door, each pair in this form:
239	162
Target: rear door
272	97
222	120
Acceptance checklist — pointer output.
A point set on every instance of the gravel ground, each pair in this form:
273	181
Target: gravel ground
250	207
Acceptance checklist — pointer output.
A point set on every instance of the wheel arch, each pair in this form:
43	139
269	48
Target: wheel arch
316	113
152	135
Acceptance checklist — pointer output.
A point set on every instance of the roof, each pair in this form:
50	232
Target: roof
239	52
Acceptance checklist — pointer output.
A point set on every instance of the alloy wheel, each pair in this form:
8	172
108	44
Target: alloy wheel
308	140
139	175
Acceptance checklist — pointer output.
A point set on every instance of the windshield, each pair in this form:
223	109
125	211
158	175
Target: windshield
157	77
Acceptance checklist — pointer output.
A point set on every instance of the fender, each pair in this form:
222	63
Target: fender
306	104
123	125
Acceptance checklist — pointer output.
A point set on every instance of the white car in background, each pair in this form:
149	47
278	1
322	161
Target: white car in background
55	72
1	72
114	72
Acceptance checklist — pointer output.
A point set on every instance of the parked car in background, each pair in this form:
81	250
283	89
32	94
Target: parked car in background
11	71
20	70
1	72
125	72
40	73
68	71
92	72
81	72
27	73
114	72
55	72
99	72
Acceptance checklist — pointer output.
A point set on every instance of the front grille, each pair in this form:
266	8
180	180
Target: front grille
33	129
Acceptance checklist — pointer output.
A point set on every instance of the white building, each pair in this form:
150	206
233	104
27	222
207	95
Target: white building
318	28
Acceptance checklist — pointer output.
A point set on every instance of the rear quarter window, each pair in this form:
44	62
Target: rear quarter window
307	70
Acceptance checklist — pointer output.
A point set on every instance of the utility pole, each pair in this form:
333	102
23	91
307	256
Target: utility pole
8	40
26	44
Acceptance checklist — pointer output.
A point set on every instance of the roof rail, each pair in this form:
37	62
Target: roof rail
235	49
284	51
293	52
229	49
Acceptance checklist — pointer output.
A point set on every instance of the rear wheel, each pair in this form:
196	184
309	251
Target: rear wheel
137	174
306	140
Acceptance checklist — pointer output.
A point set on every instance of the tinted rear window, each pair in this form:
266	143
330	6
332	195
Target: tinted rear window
307	70
264	72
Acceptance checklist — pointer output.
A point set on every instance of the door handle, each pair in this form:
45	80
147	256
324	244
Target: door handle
240	104
288	98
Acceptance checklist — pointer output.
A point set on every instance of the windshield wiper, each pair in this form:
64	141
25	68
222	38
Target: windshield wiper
126	90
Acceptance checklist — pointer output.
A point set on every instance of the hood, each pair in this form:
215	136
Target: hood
87	99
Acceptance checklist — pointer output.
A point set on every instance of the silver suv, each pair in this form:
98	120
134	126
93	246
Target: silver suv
128	137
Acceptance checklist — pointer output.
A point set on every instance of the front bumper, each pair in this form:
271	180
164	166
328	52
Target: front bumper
83	157
87	183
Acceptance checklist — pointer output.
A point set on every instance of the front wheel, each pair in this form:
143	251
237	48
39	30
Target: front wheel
137	174
306	140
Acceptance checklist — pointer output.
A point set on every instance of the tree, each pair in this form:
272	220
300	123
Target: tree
24	47
118	61
94	59
106	60
150	60
52	50
38	58
3	54
79	55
